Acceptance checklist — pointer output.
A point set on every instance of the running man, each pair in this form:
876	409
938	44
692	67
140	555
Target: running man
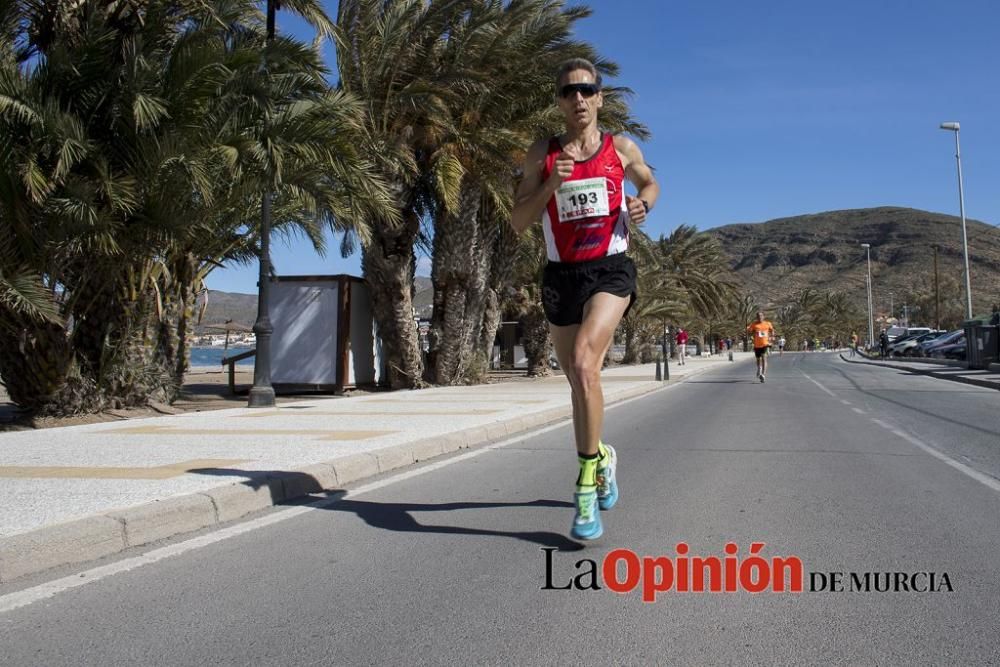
761	331
575	184
781	346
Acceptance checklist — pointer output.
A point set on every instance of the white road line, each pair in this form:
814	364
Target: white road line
820	386
859	411
982	478
845	402
50	589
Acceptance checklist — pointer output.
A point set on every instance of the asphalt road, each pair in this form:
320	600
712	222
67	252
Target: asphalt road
851	469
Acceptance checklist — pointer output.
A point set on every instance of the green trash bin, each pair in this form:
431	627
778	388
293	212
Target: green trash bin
981	342
971	343
990	337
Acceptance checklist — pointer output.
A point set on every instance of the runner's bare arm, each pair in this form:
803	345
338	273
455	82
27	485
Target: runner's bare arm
641	176
532	194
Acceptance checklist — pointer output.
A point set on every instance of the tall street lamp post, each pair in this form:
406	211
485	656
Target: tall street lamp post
871	323
262	393
956	128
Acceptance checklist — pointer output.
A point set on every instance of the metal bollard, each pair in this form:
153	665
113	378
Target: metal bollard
659	371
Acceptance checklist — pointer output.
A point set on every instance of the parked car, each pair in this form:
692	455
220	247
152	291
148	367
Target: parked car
902	338
895	333
905	347
898	340
944	339
951	351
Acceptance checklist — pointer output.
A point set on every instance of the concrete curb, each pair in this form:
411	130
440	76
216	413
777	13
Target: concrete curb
104	535
953	363
929	373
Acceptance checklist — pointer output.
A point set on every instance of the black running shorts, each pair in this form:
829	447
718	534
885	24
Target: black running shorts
566	287
759	352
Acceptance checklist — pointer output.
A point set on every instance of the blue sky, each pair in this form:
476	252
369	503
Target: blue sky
769	109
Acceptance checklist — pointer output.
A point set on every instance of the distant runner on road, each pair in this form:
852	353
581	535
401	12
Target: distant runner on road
761	331
682	343
575	183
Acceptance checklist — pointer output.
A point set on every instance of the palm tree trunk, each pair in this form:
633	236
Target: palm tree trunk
537	340
172	343
490	324
501	271
35	363
631	330
186	313
388	265
113	318
460	273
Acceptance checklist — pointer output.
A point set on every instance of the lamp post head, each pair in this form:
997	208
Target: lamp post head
954	127
866	245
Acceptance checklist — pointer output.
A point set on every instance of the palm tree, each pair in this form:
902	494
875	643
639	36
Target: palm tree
389	55
518	290
138	188
662	299
741	311
508	54
700	268
696	262
455	91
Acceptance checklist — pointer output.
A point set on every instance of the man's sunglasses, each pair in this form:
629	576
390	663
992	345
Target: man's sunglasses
585	89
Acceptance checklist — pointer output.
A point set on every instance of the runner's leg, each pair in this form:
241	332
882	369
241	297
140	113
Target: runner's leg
563	339
581	350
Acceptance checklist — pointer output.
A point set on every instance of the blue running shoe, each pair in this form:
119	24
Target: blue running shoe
587	522
607	485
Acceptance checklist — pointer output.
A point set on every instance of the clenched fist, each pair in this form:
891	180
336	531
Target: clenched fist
563	167
636	209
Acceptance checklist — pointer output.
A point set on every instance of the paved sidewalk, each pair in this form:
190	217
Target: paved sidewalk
83	492
941	369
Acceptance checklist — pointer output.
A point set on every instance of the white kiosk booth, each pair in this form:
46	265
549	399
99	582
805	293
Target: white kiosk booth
324	337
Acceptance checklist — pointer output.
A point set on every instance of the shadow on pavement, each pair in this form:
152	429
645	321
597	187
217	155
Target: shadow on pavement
396	517
392	516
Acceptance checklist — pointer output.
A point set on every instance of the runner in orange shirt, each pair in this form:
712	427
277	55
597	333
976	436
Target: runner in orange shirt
761	331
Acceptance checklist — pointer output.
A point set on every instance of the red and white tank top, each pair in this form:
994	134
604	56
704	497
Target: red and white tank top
587	217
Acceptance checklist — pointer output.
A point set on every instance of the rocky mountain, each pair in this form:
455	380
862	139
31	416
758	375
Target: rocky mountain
222	306
778	259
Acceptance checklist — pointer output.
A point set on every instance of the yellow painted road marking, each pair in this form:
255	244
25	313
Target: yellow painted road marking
85	472
606	378
549	391
457	399
373	413
628	378
320	434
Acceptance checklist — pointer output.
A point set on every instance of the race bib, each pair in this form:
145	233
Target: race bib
761	334
586	198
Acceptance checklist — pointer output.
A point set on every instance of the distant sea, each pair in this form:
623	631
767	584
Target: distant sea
212	356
